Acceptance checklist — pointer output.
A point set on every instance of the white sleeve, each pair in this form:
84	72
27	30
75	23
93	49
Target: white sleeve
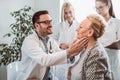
32	49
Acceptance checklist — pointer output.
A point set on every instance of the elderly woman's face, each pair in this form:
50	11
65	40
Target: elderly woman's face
83	30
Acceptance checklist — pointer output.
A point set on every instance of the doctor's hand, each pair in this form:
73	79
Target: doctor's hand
77	46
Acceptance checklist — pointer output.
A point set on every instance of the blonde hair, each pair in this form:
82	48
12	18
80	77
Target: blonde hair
97	24
66	5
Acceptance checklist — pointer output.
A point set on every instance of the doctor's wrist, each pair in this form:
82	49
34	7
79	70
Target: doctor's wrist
71	59
68	53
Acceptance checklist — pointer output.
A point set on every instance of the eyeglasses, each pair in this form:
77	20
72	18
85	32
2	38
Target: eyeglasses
100	7
47	22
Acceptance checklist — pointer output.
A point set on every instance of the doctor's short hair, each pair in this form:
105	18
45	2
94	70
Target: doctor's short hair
97	24
36	15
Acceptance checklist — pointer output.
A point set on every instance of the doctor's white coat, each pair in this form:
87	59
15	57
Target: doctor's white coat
35	60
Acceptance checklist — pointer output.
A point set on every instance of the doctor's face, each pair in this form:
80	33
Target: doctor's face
83	30
44	25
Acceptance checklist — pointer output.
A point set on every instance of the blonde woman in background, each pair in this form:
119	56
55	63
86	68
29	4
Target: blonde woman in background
64	33
93	63
111	35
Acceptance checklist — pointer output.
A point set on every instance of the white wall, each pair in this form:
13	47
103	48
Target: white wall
82	8
116	6
53	6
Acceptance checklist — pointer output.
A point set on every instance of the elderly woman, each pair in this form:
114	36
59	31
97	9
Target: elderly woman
93	63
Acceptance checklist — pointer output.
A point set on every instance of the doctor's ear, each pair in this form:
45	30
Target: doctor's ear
36	25
90	33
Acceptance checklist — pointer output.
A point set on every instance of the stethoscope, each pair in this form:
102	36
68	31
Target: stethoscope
49	50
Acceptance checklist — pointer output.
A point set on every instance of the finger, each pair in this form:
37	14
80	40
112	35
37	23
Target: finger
83	43
74	40
83	40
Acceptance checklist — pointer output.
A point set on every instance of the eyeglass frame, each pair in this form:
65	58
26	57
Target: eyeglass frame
47	22
100	7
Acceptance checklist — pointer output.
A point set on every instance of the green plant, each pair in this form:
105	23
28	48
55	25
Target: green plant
19	30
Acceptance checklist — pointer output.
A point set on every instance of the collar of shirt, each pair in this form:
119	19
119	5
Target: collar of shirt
42	38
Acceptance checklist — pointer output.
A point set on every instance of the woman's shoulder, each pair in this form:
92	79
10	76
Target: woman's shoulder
115	20
98	50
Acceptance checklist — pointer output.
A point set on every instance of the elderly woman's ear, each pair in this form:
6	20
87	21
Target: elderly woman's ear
90	32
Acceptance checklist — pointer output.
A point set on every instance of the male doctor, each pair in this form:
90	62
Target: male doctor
39	50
